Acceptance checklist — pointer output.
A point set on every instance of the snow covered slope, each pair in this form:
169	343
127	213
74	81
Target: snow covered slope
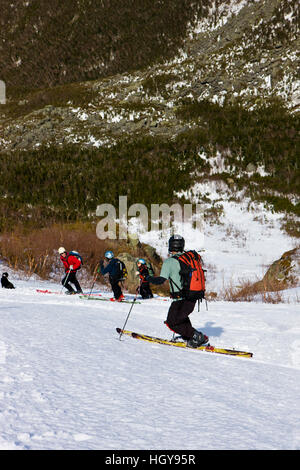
67	382
237	245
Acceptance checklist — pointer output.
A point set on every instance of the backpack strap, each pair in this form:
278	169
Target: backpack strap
178	293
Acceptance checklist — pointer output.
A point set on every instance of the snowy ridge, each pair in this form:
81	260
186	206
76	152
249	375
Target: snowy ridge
67	382
219	15
238	244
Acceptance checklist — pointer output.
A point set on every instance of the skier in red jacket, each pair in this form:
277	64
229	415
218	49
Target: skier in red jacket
71	264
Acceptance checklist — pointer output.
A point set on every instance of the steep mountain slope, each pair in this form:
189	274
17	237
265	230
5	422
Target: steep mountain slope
219	96
49	43
230	51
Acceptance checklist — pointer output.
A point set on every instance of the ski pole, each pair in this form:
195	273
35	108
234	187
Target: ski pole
93	285
128	316
65	281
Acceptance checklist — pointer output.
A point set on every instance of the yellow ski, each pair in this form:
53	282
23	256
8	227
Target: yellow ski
178	344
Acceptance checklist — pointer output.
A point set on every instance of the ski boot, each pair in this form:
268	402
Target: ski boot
197	340
70	292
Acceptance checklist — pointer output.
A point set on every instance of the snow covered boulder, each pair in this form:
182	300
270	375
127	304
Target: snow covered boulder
132	280
283	273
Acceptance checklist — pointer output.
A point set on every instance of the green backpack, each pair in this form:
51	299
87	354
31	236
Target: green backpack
150	268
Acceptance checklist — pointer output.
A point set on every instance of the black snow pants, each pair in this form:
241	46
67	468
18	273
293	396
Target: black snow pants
71	278
115	285
178	318
145	290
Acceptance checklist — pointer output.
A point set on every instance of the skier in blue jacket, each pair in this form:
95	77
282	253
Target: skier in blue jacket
113	268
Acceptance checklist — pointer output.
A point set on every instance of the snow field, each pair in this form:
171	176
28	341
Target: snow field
67	382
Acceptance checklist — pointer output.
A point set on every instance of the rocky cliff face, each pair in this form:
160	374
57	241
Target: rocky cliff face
236	50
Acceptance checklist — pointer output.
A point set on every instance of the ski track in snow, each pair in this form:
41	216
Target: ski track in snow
67	382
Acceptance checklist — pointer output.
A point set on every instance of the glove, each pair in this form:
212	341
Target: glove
137	273
71	267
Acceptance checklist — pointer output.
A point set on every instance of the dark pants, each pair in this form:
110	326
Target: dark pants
145	290
6	284
115	285
178	318
71	278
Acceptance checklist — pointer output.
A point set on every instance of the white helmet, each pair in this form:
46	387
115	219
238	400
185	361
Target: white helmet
61	250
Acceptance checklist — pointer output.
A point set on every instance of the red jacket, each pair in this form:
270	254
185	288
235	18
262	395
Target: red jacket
70	260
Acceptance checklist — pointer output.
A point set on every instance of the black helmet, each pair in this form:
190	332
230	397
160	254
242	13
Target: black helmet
176	243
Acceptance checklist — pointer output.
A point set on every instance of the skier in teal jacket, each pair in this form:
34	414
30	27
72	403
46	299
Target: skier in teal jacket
180	309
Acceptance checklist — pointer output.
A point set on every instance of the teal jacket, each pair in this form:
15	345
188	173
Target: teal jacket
170	271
